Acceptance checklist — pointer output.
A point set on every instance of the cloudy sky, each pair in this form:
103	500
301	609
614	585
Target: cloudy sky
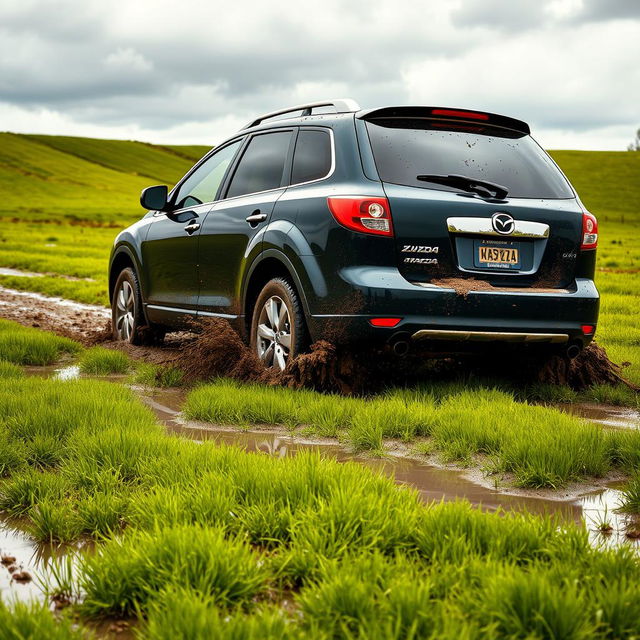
195	71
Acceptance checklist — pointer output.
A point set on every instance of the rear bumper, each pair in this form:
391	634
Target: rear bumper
436	313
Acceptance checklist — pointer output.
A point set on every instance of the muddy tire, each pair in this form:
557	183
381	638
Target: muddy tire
127	318
278	328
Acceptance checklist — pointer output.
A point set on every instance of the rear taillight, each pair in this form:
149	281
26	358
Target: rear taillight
364	214
589	231
385	322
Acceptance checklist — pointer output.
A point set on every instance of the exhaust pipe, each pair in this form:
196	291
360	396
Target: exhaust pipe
573	350
400	348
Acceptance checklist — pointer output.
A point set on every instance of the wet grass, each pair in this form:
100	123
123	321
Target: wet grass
158	375
98	361
541	446
26	346
631	495
198	540
19	620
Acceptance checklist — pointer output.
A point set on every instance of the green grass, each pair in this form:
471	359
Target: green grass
541	446
26	346
98	361
158	375
631	495
198	539
70	179
22	620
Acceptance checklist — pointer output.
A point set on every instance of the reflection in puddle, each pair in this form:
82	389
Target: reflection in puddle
607	525
67	373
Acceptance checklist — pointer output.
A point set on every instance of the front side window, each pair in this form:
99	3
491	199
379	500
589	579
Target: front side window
203	184
262	164
312	157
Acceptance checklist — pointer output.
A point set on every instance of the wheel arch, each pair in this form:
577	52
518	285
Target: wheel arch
271	264
122	258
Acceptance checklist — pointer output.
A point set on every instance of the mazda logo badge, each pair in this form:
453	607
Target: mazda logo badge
503	223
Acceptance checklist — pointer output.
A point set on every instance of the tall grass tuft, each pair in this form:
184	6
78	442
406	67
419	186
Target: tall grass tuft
126	573
99	361
27	346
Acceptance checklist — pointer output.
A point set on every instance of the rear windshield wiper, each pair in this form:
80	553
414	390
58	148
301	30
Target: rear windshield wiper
483	188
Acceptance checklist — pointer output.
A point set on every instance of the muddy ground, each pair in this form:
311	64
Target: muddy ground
218	350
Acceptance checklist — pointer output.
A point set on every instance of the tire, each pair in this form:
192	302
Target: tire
278	328
127	319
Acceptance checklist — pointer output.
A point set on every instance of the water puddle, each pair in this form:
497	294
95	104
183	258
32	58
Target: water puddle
606	415
432	482
5	271
24	565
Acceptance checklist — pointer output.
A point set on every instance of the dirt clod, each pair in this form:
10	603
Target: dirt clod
591	367
22	576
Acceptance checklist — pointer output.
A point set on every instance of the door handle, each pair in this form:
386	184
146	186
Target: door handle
190	228
256	217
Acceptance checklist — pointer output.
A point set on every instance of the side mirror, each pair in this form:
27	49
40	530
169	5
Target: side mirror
154	198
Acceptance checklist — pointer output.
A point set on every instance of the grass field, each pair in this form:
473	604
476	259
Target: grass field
199	540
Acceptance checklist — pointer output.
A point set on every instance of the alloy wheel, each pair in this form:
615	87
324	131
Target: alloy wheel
273	339
125	310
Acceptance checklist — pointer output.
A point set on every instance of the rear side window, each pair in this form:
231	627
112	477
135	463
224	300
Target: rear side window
262	164
404	149
312	157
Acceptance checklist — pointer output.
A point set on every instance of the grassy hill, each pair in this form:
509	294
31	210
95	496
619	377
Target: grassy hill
65	178
608	181
61	177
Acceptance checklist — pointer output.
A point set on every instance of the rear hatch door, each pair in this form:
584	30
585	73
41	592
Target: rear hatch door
454	228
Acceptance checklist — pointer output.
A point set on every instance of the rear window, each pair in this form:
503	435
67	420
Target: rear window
312	157
404	149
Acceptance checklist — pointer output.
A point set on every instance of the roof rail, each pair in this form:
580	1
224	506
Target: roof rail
341	105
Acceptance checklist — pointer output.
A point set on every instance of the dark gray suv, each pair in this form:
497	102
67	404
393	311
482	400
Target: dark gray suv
397	225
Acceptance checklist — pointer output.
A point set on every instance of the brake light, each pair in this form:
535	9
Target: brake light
589	231
454	113
587	329
385	322
364	214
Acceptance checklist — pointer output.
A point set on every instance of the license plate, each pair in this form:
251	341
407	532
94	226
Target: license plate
498	255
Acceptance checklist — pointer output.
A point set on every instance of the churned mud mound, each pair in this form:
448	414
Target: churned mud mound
219	351
592	366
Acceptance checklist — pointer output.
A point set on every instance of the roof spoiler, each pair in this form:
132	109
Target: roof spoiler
446	113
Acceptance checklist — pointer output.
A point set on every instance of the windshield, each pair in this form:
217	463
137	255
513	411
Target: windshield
407	148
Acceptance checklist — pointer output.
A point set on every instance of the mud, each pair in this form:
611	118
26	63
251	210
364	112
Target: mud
215	349
464	286
64	317
591	367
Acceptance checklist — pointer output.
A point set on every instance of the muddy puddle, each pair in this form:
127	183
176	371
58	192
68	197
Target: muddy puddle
25	566
434	483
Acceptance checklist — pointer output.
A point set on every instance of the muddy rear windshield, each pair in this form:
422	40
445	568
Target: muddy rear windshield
406	148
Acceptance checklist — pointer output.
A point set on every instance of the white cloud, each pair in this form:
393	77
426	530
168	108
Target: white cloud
190	71
127	59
